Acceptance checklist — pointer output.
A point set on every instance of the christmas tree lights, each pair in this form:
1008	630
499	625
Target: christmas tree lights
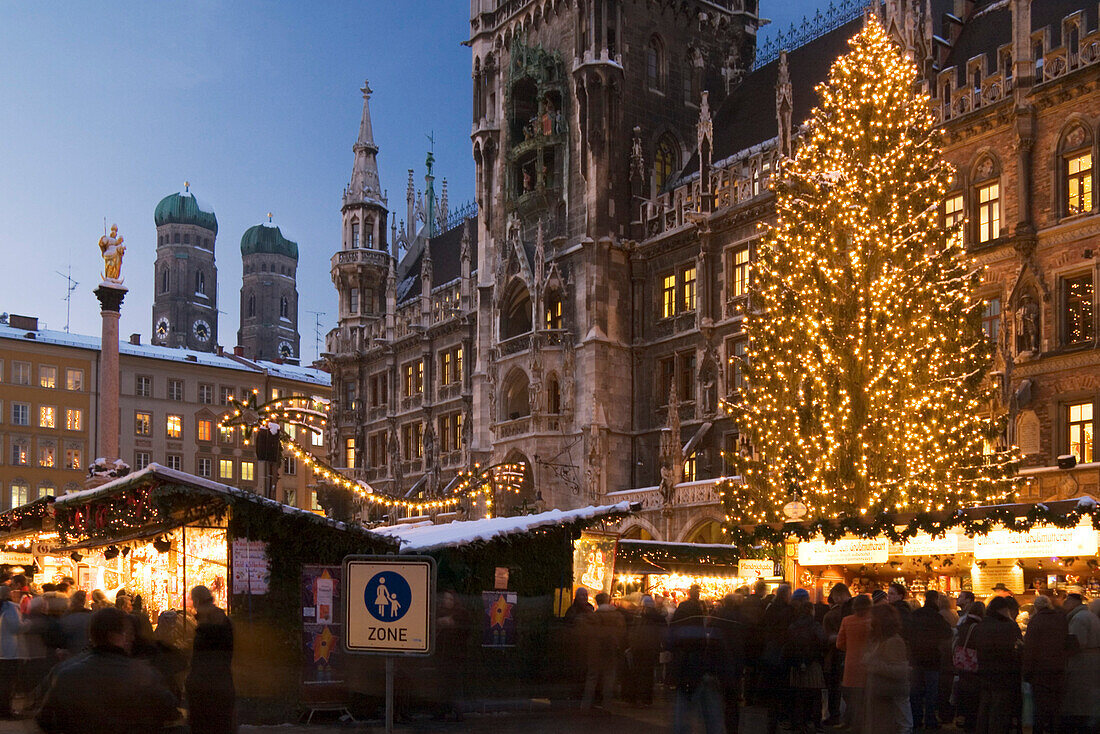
867	381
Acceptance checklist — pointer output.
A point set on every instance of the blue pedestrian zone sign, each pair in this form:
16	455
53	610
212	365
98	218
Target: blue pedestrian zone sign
390	604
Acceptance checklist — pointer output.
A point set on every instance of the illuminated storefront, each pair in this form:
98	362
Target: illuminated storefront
670	569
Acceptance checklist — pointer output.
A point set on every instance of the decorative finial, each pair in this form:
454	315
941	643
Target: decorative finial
186	186
366	90
269	216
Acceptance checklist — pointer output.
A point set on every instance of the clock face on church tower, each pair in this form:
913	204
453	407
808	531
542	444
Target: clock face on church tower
201	330
286	351
162	328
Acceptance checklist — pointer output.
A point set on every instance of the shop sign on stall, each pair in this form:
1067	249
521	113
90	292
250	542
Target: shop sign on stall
16	559
1036	543
926	545
843	551
594	561
748	568
499	620
984	578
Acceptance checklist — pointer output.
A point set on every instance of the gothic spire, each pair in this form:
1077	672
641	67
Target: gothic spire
364	187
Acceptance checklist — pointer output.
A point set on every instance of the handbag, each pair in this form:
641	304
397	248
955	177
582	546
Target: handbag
965	659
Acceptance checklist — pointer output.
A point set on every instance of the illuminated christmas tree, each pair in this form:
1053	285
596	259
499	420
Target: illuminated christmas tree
868	371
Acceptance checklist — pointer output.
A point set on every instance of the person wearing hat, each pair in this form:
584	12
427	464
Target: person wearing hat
878	596
999	589
1081	703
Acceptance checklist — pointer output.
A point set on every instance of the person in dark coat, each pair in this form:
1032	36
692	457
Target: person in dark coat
928	635
840	606
895	597
729	622
74	624
211	697
575	653
775	683
695	666
752	612
999	644
606	636
804	655
1044	663
104	690
968	687
170	658
645	637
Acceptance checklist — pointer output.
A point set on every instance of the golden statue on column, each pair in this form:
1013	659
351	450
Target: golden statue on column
112	249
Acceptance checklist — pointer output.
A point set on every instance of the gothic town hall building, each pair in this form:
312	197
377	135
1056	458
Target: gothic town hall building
588	320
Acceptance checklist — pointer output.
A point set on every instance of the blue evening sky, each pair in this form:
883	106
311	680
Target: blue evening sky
108	107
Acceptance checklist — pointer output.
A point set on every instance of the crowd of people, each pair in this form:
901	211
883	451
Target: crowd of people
90	665
867	663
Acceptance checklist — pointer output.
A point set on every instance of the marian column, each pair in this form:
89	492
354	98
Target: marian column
110	294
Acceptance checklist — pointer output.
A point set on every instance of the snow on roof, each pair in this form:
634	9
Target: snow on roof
150	351
157	471
427	537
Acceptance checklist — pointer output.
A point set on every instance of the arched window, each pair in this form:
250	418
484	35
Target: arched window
517	398
553	395
200	282
284	308
165	280
251	305
553	310
1075	170
355	235
515	311
655	63
665	161
175	238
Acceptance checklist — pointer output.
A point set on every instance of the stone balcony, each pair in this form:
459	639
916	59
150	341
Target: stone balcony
528	424
361	256
700	493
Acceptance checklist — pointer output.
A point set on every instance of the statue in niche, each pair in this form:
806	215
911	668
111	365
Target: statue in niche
1027	325
429	447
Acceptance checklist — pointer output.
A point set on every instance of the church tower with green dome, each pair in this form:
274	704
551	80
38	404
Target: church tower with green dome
269	295
185	300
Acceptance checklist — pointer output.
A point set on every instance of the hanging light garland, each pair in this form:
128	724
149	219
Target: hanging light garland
311	413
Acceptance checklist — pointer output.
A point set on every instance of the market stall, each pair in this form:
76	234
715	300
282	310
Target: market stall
1028	548
670	569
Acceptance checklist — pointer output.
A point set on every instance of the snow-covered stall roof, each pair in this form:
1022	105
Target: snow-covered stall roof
420	537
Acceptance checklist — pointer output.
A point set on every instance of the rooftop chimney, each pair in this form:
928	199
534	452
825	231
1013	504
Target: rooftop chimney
135	339
238	351
29	323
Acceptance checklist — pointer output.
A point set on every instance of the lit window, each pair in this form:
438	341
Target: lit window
47	455
276	393
174	426
20	453
1077	297
989	212
953	216
47	376
314	505
690	465
74	379
689	288
553	311
290	466
74	458
227	395
205	429
227	434
458	364
20	414
175	461
1079	183
739	272
668	297
349	453
412	440
248	471
74	419
317	438
19	494
143	424
991	319
204	467
47	416
225	468
445	368
1080	431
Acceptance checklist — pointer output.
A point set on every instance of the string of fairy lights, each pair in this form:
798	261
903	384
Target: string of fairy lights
867	390
311	414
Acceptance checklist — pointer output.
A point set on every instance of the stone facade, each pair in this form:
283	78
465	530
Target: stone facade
185	300
269	307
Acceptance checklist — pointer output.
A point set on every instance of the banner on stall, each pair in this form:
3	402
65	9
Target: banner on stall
322	628
843	551
749	568
594	561
251	569
926	545
499	620
1036	543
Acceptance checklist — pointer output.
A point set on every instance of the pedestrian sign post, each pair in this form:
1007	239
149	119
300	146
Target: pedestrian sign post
389	610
